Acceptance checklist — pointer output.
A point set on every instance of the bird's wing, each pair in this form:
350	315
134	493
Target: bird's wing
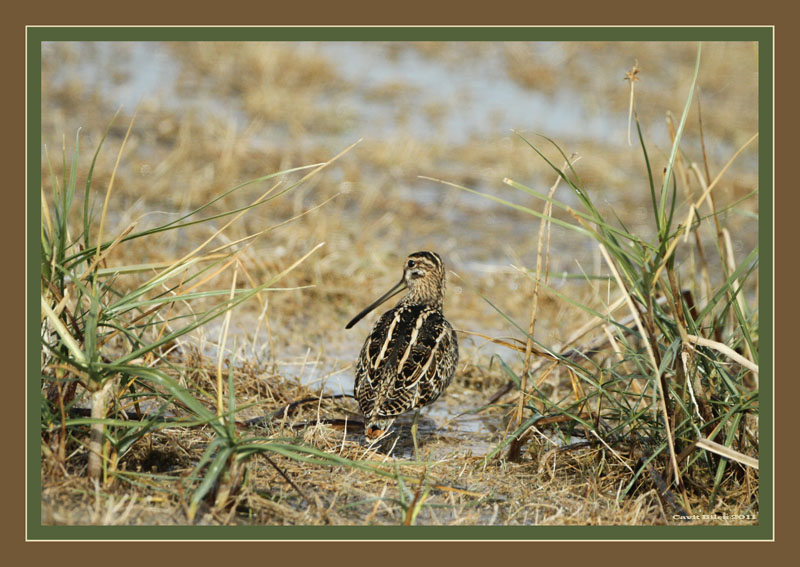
418	360
369	368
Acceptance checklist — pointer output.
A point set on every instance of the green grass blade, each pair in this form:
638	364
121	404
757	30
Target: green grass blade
87	191
675	144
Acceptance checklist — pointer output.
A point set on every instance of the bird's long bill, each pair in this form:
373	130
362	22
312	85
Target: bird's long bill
398	287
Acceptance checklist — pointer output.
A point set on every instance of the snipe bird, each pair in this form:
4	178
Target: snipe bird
411	354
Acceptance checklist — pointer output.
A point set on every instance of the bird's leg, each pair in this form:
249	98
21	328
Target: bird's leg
414	434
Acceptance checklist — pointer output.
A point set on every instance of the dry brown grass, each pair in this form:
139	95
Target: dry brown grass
548	486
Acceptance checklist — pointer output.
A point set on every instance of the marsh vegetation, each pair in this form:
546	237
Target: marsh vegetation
203	248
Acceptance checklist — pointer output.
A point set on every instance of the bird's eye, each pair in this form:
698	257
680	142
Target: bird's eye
411	263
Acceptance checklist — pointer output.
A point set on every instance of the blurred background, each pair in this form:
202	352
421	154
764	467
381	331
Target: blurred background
212	115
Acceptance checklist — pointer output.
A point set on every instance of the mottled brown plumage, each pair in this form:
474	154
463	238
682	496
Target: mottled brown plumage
411	354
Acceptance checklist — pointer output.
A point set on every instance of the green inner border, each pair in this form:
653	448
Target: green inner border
764	36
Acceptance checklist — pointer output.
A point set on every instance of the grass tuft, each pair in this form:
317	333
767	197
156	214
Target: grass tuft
674	384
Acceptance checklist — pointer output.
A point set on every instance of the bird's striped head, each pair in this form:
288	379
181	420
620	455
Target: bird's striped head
424	277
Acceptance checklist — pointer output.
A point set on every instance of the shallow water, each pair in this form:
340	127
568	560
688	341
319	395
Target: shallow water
478	98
